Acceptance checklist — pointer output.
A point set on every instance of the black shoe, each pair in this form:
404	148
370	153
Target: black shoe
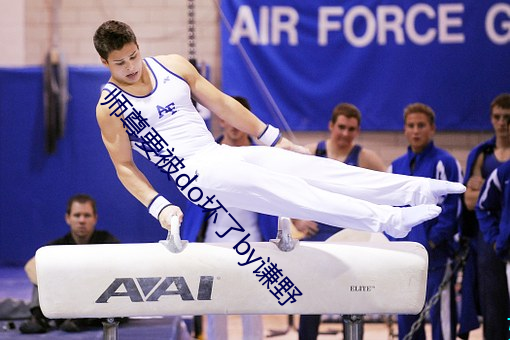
34	326
70	326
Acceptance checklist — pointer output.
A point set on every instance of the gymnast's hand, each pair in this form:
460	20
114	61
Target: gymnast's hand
166	215
475	183
308	228
286	144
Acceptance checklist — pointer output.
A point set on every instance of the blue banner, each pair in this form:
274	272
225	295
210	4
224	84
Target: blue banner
295	60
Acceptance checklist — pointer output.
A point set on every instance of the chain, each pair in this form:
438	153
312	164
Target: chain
458	266
191	30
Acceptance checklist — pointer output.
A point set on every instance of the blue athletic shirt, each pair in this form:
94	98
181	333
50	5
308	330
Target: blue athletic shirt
325	230
435	163
493	210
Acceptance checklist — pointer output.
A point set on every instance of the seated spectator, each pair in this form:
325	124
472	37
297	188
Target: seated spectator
81	216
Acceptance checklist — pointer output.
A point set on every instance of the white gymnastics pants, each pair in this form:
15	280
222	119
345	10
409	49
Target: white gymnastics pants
278	182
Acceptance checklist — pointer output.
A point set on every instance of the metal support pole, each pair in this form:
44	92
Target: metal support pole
110	329
353	327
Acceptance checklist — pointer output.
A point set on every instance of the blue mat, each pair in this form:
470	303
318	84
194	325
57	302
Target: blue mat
134	329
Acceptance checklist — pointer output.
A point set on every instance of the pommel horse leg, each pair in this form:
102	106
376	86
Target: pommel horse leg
110	329
353	327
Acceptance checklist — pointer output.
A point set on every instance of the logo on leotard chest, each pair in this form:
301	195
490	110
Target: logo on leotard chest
165	110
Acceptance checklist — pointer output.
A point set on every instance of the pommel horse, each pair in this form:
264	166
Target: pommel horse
349	275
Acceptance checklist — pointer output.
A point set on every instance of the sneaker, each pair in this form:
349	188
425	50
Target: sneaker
34	326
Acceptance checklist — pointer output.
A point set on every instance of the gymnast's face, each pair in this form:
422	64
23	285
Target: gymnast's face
82	221
344	130
125	64
419	131
233	136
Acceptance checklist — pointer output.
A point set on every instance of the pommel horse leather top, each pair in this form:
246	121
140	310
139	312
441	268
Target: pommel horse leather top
353	276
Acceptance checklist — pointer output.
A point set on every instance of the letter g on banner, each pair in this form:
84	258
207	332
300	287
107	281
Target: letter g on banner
498	35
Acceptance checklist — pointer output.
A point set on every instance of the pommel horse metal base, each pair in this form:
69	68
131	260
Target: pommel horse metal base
349	275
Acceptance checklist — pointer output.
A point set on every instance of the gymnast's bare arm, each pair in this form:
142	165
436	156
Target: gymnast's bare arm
117	143
368	159
474	184
224	106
